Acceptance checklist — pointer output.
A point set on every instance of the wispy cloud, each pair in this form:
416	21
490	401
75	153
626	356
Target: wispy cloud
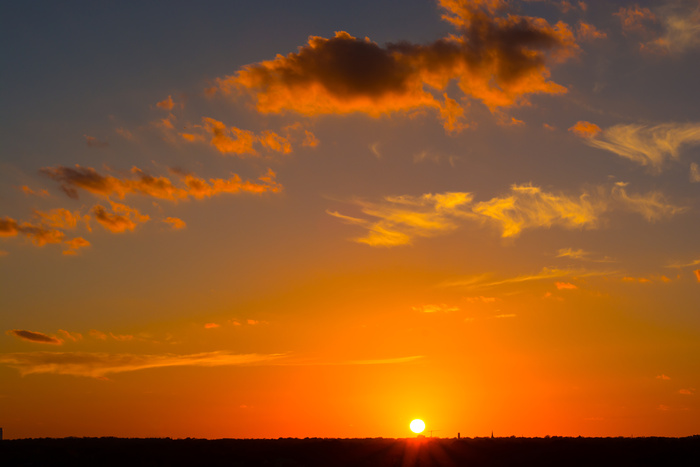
435	308
646	145
98	365
581	255
398	220
486	281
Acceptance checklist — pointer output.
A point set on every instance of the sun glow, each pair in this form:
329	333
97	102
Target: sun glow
417	426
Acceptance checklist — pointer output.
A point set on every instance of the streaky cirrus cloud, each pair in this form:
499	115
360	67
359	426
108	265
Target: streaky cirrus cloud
32	336
680	23
497	57
402	218
88	179
482	281
694	173
398	220
98	365
646	145
435	308
582	255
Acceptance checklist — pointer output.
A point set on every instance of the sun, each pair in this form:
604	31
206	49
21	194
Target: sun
417	426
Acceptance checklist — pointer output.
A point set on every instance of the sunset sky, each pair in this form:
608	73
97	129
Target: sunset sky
313	218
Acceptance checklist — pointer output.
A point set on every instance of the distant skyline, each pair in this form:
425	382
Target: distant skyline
299	219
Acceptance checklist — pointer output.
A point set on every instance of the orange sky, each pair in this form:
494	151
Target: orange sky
306	219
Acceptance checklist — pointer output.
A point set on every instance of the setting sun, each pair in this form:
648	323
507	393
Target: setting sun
417	426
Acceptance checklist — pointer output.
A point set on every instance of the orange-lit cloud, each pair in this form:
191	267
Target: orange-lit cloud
686	392
93	142
122	219
232	140
442	308
98	334
400	219
565	286
663	377
588	32
528	206
124	133
636	18
40	193
175	223
74	245
581	255
88	179
486	281
211	326
37	337
585	129
166	104
59	218
646	145
98	365
38	234
697	274
497	57
73	336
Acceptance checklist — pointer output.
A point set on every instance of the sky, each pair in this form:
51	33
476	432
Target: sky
324	219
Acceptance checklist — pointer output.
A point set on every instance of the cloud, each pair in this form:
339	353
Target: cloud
442	308
588	32
528	206
166	104
59	218
684	264
636	18
686	392
681	29
481	299
585	129
124	133
38	234
98	334
175	223
497	57
40	193
697	274
485	281
663	377
565	286
37	337
122	219
98	365
93	142
75	244
400	219
581	255
211	326
232	140
646	145
653	205
88	179
73	336
694	173
385	361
